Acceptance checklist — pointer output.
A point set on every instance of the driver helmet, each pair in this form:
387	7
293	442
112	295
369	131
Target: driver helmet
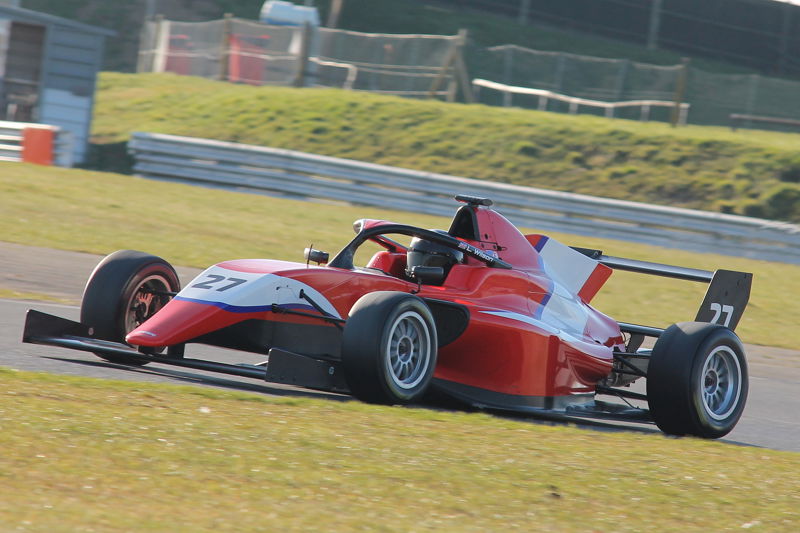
422	252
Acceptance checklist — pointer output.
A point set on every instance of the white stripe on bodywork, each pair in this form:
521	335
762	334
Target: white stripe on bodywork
565	311
519	317
567	266
256	291
592	348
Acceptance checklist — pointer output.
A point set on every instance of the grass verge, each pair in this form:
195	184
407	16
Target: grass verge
99	212
33	296
82	454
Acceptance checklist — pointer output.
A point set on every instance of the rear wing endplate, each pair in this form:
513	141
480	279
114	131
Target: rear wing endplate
726	297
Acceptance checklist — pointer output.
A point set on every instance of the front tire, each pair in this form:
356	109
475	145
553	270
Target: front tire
389	348
124	290
697	380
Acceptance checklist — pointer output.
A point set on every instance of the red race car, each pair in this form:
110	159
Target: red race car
480	313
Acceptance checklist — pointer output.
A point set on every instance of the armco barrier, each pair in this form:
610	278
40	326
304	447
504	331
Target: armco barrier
35	143
303	175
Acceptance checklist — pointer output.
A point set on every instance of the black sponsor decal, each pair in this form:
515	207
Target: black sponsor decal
477	252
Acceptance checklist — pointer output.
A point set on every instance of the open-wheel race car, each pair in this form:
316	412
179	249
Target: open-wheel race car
480	313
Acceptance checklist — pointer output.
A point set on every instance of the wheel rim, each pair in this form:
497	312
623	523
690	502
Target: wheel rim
721	383
408	350
145	302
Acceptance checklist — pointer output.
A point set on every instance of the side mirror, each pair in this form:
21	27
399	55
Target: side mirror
318	256
428	275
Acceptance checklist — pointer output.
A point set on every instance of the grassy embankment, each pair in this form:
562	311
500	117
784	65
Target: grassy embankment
91	455
748	172
194	226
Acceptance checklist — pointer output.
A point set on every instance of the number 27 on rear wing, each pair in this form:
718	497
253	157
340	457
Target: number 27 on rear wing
724	303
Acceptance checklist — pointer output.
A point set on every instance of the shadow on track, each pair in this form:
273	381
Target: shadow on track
436	402
207	380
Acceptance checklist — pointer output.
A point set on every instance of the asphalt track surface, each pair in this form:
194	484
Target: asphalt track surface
771	418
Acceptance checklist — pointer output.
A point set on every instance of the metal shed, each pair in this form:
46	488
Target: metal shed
48	70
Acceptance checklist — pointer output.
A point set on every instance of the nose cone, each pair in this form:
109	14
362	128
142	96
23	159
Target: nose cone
179	321
142	337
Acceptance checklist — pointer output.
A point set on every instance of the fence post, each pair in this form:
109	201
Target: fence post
524	7
449	59
461	69
147	45
161	45
622	77
225	47
508	64
302	59
561	66
655	24
680	91
752	93
786	33
333	15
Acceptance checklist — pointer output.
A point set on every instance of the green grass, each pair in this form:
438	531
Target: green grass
711	168
33	296
91	455
193	226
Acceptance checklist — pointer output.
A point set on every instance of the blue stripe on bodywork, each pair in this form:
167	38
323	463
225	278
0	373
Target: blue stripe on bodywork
537	313
244	309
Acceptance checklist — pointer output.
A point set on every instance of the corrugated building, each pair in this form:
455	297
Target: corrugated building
48	71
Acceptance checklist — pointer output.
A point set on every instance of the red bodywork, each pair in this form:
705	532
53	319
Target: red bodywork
531	339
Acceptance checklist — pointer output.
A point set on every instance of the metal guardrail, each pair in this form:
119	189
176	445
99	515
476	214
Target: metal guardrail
303	175
11	139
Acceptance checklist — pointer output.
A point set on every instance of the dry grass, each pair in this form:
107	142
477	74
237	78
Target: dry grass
90	455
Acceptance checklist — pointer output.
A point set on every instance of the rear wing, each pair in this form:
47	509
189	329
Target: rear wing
726	297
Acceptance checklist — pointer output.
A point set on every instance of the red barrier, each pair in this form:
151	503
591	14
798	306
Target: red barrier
246	63
38	145
179	59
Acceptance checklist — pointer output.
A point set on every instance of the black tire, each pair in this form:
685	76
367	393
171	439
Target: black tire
697	380
389	348
117	297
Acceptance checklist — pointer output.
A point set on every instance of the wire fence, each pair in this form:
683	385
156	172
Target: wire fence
249	52
244	51
610	109
578	76
761	34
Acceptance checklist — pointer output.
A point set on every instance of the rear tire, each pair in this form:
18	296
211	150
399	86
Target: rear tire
697	380
119	297
389	348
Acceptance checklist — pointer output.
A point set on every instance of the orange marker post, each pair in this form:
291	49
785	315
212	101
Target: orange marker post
38	145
